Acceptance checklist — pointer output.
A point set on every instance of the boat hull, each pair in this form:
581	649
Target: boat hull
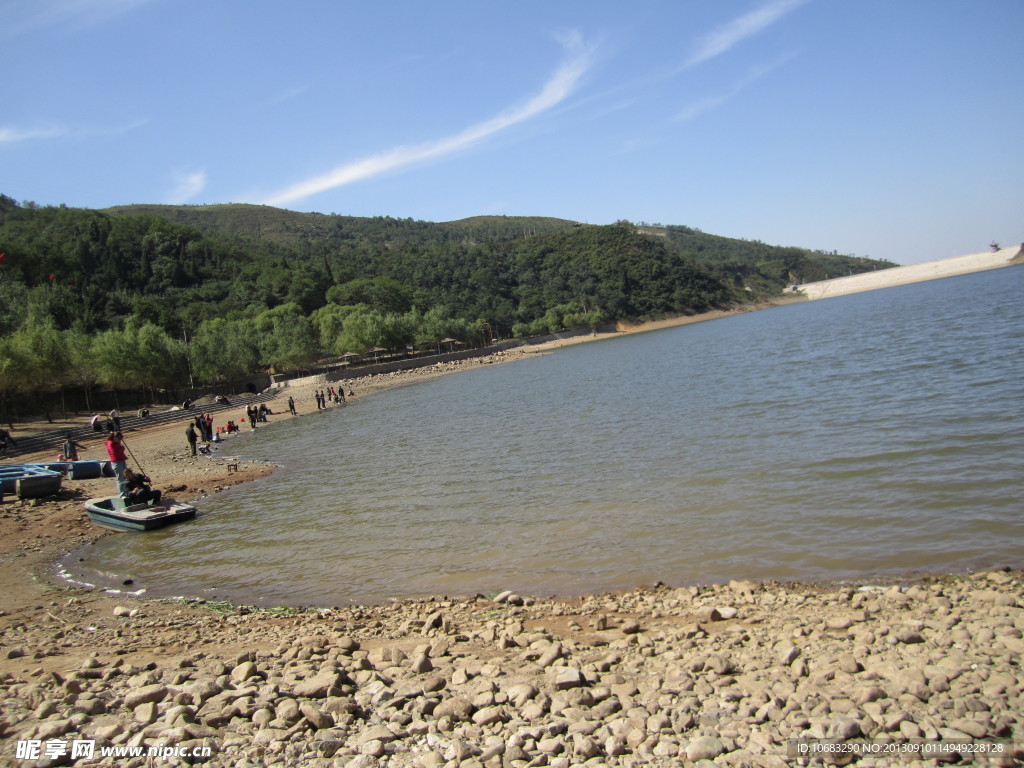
113	514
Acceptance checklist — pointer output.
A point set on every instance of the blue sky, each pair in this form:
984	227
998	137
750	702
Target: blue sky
882	128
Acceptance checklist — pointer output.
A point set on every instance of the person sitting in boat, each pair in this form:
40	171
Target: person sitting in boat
139	491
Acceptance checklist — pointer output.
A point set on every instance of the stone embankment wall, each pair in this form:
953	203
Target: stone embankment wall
913	273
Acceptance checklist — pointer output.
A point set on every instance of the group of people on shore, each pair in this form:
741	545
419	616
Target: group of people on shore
109	423
330	395
257	413
204	424
134	486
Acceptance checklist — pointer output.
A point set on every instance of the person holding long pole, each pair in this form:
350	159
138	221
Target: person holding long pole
118	461
137	462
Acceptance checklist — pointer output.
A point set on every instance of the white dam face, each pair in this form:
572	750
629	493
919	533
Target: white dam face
913	273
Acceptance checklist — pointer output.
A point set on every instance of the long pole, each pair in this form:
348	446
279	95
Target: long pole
132	455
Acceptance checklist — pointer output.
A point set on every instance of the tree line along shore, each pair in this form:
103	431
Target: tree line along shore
146	297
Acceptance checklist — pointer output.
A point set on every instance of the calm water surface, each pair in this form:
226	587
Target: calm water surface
867	435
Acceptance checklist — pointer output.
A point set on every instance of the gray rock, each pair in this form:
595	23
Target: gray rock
568	677
630	627
320	686
909	636
145	695
318	719
363	761
844	728
521	693
584	747
262	717
554	746
455	707
490	716
704	748
244	671
421	664
145	713
869	694
372	748
377	733
972	728
287	709
788	655
550	655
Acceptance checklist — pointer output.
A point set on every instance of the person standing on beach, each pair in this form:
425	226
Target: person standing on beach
70	448
191	436
118	461
291	405
115	419
5	438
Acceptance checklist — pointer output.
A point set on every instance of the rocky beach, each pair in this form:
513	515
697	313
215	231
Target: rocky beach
909	672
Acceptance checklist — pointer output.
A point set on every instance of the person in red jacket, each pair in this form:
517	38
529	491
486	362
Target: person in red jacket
118	461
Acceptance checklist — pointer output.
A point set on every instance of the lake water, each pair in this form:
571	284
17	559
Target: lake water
872	435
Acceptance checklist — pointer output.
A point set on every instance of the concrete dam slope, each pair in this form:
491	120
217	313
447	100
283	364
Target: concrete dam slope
912	273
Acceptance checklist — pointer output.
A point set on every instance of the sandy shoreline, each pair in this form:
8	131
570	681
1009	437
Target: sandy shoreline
652	676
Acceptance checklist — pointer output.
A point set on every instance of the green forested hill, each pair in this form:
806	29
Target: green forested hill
228	289
293	229
762	268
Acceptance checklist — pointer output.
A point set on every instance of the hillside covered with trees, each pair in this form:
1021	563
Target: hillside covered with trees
147	296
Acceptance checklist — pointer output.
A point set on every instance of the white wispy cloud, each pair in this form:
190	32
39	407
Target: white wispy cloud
45	14
13	134
708	103
726	37
564	81
188	184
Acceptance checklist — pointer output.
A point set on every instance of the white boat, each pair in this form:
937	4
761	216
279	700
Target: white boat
112	512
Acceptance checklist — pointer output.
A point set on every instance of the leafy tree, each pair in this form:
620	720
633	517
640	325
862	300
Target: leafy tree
140	356
286	340
380	293
82	370
37	362
13	363
223	350
329	322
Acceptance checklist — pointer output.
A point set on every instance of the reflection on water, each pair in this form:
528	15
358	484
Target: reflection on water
878	433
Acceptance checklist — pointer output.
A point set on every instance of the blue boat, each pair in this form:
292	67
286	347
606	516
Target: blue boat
112	512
